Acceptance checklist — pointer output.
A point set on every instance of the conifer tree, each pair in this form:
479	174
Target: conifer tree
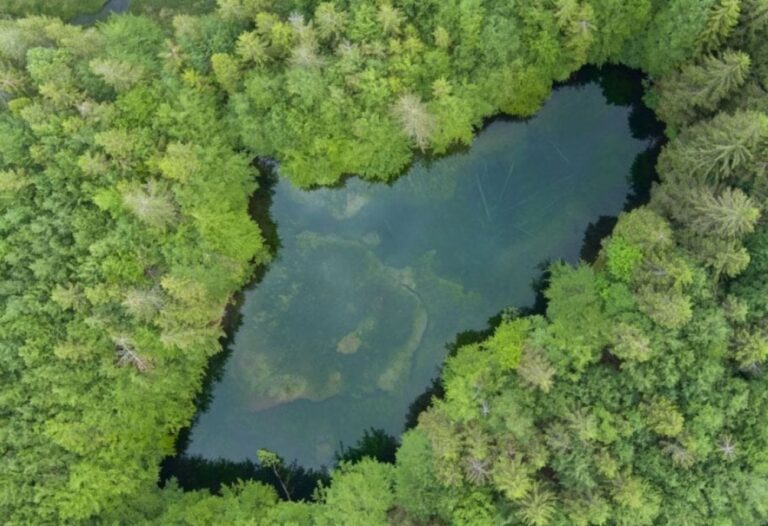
697	89
723	17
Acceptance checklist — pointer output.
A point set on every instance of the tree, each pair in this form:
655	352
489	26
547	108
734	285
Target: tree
537	507
630	343
330	22
251	48
120	74
576	21
724	149
731	214
360	493
227	71
699	88
143	304
535	370
417	123
664	418
723	17
151	204
271	460
390	18
638	399
671	309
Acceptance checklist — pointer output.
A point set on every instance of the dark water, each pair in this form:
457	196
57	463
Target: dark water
112	6
350	322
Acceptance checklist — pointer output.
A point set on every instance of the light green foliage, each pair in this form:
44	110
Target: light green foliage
359	86
731	214
622	258
416	488
535	370
506	344
245	503
630	343
142	265
359	494
226	70
538	507
575	309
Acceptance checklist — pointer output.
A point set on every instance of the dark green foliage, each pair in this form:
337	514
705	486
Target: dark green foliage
698	89
64	9
375	444
195	473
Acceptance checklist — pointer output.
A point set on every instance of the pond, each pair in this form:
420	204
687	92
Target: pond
350	322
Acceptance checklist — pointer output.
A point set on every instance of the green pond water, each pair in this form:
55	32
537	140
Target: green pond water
350	322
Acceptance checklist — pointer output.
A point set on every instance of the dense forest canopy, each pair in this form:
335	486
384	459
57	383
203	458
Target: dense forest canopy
639	397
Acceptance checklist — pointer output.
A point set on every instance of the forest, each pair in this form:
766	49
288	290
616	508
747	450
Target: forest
637	395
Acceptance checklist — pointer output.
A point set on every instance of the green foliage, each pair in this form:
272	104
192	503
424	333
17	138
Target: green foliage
671	36
375	444
723	17
664	418
697	89
130	254
622	258
617	23
64	9
725	149
359	493
125	177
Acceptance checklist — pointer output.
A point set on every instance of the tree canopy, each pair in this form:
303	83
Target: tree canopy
126	153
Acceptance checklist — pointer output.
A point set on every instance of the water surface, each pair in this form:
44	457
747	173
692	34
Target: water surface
350	322
109	7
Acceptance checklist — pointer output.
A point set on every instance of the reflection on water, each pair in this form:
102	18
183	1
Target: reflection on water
350	322
112	6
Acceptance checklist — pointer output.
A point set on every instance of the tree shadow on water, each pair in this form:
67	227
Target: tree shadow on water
195	472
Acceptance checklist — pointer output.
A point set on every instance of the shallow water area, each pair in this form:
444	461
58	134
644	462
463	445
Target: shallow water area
350	322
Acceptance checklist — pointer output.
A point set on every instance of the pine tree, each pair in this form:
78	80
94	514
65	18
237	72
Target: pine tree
512	477
698	88
730	214
535	370
537	508
251	48
329	21
723	17
727	149
390	18
630	343
754	17
120	74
